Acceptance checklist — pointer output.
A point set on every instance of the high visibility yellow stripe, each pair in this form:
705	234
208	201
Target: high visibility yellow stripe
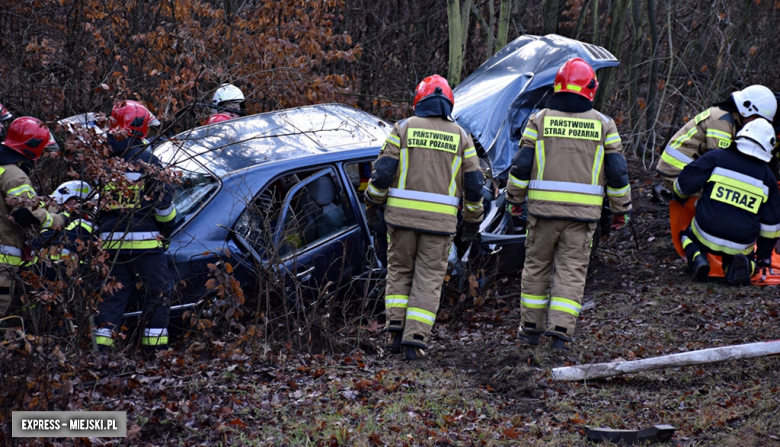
10	260
704	238
23	189
165	219
423	206
376	191
678	190
404	167
679	142
401	301
686	242
530	134
534	301
612	138
572	87
739	184
540	159
718	134
770	231
474	206
104	341
455	168
668	158
618	192
131	245
598	162
154	341
517	182
393	139
470	152
421	315
550	196
565	305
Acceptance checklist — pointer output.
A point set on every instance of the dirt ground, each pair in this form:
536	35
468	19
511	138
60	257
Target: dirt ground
479	385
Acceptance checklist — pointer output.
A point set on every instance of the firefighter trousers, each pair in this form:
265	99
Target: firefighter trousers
416	266
557	254
150	272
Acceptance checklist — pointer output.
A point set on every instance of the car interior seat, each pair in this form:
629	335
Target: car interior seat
331	217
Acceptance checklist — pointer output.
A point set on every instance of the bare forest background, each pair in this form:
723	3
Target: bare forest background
63	57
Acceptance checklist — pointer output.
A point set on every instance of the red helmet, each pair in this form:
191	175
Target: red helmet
577	76
218	118
28	136
4	113
433	86
131	116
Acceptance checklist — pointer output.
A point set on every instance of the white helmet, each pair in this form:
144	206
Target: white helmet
757	139
227	93
756	100
73	188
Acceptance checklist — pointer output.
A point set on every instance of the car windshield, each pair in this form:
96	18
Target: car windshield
197	185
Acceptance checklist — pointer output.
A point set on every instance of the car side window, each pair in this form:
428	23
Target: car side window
295	211
315	211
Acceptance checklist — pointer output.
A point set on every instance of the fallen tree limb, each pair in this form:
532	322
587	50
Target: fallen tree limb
700	357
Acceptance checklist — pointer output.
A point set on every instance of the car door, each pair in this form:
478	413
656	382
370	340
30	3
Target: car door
310	236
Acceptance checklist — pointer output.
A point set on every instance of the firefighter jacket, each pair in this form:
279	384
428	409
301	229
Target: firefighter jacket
14	183
139	208
566	159
740	203
58	244
426	166
713	128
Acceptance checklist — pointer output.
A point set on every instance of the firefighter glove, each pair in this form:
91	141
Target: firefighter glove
619	221
515	210
470	232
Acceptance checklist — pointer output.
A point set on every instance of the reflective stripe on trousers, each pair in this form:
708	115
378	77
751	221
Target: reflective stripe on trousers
717	244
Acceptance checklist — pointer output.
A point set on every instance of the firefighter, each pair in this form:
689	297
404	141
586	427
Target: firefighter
24	143
569	155
138	213
228	100
219	117
427	167
714	128
739	208
70	197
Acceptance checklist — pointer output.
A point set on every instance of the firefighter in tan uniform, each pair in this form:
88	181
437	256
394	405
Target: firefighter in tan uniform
570	155
427	165
24	143
714	128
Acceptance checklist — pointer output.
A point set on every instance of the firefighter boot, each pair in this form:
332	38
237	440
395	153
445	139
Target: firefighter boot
740	271
700	268
413	353
395	344
530	338
559	343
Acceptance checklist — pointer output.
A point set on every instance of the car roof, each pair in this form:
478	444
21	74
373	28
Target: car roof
245	142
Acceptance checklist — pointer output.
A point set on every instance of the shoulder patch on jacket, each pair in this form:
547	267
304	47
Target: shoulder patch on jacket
702	116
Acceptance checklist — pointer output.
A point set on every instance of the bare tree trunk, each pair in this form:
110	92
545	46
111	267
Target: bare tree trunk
503	23
458	20
492	26
485	26
581	19
612	43
550	15
594	12
652	88
633	75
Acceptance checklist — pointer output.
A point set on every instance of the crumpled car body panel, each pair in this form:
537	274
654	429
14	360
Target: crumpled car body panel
494	102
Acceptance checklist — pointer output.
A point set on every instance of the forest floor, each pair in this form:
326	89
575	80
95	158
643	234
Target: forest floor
479	385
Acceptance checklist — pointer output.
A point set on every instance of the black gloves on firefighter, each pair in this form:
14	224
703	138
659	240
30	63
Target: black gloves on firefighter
25	218
375	218
470	232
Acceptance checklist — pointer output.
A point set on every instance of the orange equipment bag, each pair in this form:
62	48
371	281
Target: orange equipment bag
680	217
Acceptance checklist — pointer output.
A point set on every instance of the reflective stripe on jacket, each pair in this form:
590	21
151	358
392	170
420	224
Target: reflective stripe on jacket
740	202
713	128
436	160
575	160
139	206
